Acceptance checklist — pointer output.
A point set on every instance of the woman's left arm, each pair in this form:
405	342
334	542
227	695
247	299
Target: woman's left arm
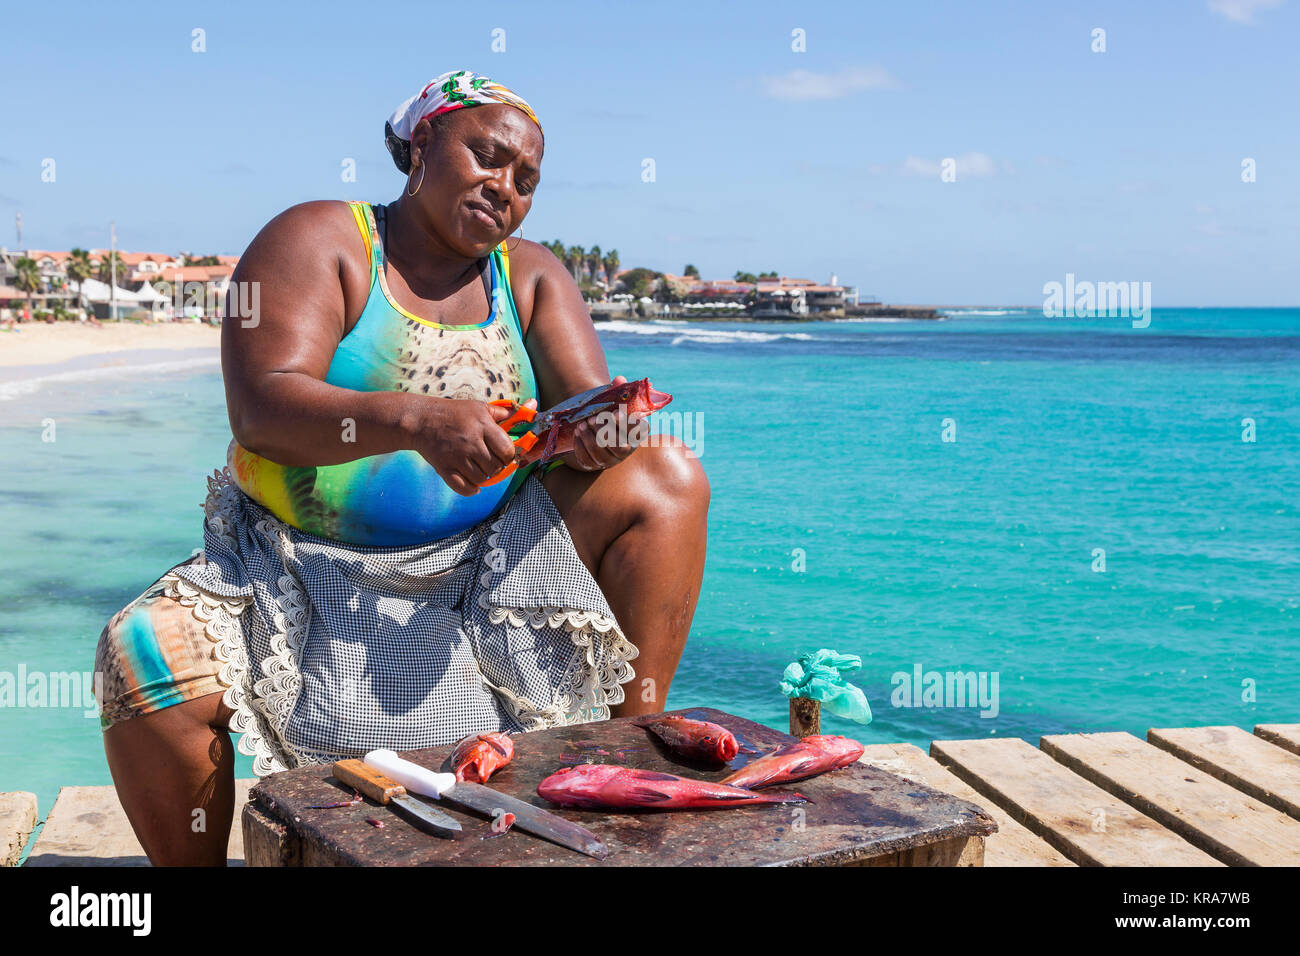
563	346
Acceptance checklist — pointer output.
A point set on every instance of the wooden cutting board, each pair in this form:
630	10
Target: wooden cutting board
858	815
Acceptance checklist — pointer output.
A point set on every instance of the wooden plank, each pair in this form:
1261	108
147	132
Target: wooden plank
1012	845
1286	736
854	814
1240	759
88	827
1083	821
1226	823
17	821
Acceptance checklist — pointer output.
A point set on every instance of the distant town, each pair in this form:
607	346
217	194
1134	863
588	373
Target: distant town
97	284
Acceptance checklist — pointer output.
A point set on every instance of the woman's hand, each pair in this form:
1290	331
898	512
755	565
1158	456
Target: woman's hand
607	438
463	440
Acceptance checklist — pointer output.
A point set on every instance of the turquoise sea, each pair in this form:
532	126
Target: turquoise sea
841	517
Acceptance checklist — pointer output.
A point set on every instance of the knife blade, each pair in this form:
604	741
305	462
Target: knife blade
387	792
530	819
485	800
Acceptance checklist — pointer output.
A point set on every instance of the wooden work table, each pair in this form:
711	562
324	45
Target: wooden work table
861	815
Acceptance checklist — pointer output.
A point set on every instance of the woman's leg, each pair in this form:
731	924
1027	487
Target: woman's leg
640	528
167	742
174	770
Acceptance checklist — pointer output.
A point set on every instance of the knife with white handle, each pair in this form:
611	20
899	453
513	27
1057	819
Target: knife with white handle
388	792
445	788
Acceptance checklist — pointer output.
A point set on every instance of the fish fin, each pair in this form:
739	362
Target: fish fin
552	438
655	775
648	794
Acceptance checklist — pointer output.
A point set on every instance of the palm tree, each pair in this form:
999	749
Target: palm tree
593	262
573	258
105	272
27	278
611	265
79	269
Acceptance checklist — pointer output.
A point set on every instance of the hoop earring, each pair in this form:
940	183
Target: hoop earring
418	185
521	235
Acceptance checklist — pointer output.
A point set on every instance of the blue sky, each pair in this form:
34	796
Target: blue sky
1115	166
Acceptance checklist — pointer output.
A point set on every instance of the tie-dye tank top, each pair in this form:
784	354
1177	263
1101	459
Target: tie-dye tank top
398	499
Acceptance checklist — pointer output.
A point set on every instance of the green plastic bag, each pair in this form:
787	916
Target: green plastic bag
820	677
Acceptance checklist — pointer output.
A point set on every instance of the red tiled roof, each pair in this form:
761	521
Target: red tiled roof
194	274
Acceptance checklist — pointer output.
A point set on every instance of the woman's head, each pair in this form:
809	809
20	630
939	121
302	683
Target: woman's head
471	172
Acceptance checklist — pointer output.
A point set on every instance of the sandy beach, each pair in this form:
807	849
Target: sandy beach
41	343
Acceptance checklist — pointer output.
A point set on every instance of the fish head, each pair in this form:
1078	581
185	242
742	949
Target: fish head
641	397
727	746
845	749
574	786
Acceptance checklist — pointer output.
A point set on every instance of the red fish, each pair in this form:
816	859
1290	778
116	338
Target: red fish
605	786
697	739
805	758
552	431
479	756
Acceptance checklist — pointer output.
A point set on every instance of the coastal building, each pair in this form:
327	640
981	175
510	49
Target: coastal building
146	283
782	297
193	291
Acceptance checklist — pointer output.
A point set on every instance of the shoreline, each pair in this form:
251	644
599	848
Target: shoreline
49	347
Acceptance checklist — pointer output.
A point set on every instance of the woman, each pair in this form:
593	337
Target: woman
363	584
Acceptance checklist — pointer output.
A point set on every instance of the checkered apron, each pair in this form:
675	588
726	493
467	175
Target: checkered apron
331	650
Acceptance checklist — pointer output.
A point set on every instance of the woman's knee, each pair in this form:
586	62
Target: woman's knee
673	472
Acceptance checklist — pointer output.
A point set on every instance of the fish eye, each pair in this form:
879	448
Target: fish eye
625	395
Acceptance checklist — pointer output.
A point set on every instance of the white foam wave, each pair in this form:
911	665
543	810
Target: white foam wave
873	320
987	312
695	333
16	388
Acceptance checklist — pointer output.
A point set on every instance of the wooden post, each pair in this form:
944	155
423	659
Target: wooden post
805	716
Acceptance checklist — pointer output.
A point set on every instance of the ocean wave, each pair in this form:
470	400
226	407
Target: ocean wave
695	333
873	320
986	312
16	388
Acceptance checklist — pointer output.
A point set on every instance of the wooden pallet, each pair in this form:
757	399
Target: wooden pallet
1213	816
1012	845
1082	821
1193	796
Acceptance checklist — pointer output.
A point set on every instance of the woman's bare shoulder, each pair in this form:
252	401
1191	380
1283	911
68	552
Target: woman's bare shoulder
310	246
307	231
534	272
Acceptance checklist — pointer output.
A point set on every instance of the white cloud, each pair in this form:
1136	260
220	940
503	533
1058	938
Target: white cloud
1242	11
806	85
968	164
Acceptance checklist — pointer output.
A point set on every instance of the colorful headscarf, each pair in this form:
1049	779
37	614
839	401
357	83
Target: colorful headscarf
453	90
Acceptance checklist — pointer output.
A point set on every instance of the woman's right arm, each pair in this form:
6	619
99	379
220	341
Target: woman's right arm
307	272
